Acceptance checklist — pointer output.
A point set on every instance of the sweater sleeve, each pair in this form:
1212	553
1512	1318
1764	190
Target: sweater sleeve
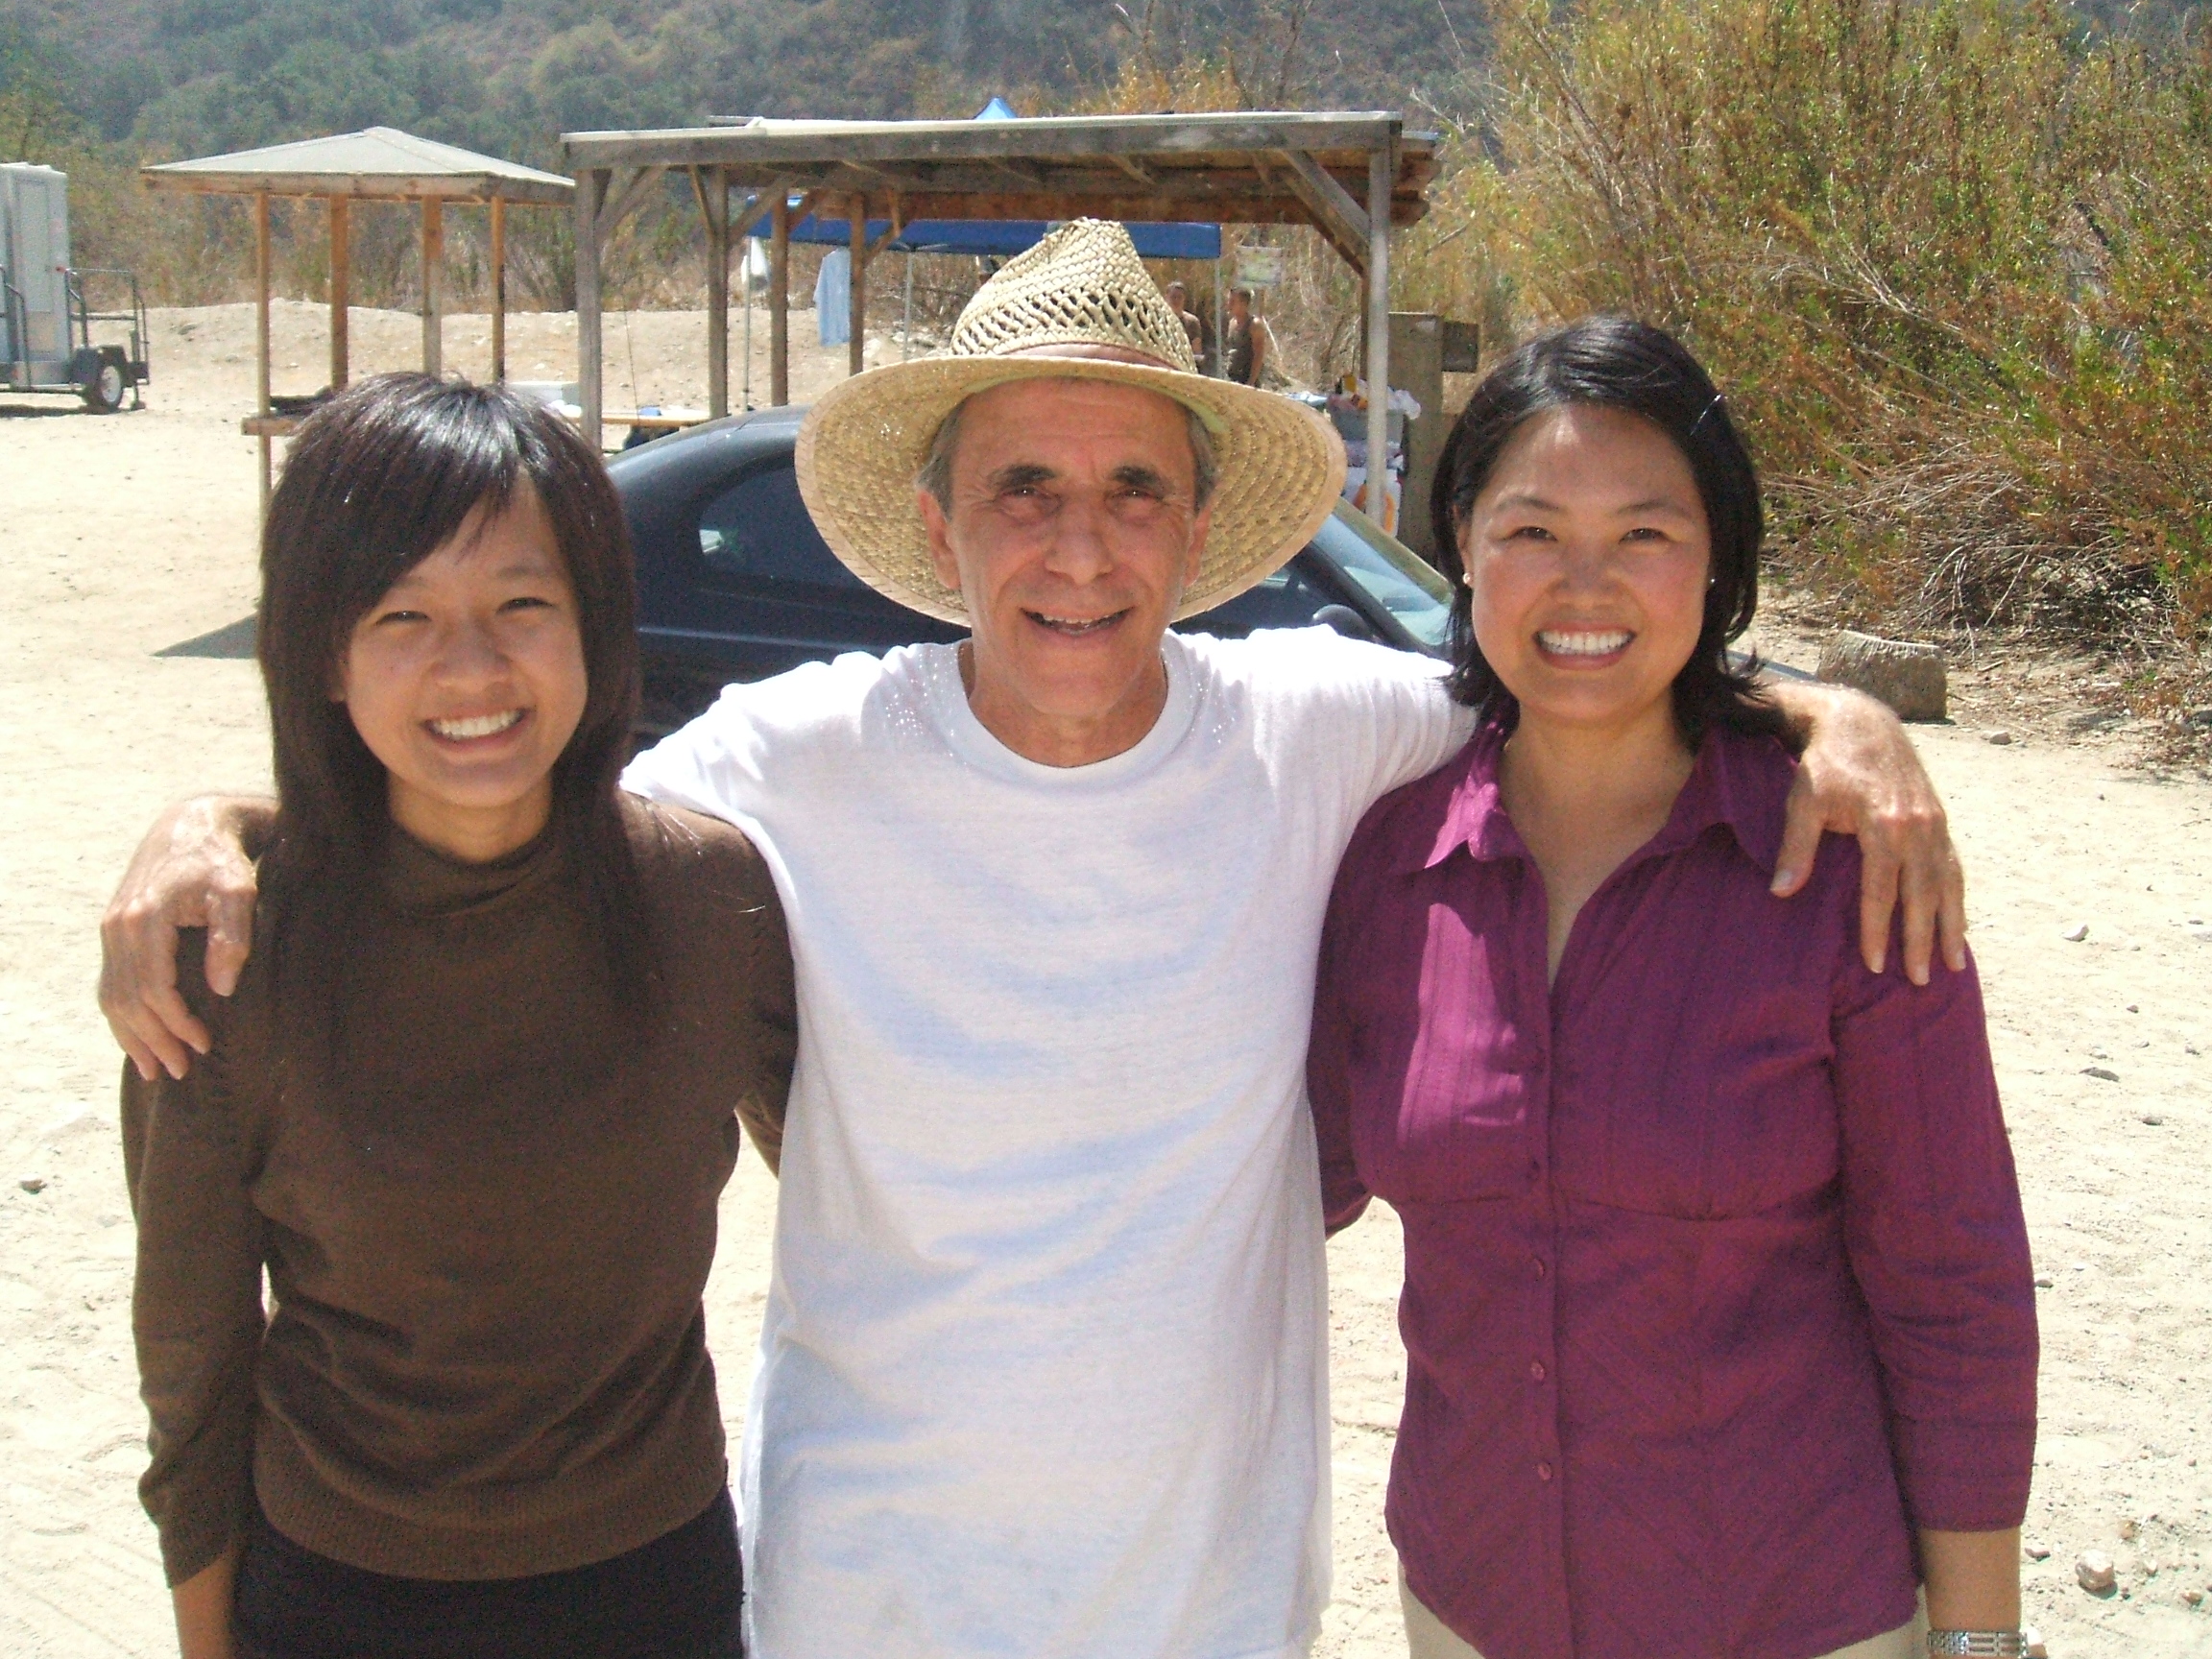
720	900
1933	1223
195	1308
775	1011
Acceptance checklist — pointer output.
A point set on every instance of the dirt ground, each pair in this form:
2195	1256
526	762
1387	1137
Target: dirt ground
126	572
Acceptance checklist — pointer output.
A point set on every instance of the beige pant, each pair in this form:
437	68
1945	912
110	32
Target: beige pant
1427	1638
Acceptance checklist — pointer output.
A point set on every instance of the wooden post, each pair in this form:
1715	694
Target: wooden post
591	190
780	301
261	335
341	284
1220	326
498	290
715	201
1381	171
433	285
856	308
1417	364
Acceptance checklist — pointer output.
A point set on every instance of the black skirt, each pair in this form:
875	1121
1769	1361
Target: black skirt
676	1597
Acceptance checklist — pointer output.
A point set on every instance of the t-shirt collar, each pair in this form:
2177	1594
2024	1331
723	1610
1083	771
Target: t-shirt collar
973	742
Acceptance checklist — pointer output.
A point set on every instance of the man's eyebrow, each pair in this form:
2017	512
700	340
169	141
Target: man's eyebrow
1020	475
1136	475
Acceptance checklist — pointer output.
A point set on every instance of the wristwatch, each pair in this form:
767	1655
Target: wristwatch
1980	1644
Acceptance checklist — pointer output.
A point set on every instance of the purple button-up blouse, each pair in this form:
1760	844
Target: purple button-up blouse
1716	1277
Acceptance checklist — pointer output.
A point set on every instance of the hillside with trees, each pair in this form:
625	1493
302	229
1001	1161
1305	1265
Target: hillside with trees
199	75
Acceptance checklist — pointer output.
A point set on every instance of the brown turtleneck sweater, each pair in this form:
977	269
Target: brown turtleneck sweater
485	1235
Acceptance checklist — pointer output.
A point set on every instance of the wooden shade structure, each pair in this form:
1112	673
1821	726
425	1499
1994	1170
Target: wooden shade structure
1352	177
378	164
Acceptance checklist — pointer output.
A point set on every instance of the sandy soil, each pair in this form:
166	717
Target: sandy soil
126	559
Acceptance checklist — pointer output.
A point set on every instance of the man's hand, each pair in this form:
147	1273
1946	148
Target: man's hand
191	871
1861	777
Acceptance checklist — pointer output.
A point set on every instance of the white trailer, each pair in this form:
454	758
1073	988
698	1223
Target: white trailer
46	318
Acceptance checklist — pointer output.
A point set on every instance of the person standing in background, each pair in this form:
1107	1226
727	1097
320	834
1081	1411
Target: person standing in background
1246	345
1178	297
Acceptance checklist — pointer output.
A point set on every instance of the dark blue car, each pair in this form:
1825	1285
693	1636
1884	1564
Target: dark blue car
734	582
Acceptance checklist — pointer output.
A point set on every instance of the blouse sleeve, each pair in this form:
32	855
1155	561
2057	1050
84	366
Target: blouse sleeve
1329	1079
196	1308
1933	1224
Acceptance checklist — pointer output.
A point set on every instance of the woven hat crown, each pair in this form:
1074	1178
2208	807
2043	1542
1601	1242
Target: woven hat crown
1082	285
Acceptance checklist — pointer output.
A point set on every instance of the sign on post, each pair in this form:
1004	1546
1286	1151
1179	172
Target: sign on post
1260	267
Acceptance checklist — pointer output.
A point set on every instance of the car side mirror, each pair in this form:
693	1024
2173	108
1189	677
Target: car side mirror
1346	621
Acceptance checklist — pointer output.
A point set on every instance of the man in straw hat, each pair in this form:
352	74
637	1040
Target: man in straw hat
1043	1371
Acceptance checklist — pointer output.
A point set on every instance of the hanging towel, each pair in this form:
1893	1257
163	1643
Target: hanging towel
833	297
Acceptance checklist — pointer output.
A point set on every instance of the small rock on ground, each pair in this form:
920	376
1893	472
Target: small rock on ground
2093	1572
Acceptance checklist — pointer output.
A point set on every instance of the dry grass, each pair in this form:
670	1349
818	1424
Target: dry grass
1949	261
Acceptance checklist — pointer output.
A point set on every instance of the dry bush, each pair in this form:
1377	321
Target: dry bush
1949	261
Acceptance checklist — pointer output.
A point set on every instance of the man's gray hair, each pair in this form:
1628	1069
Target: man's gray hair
936	474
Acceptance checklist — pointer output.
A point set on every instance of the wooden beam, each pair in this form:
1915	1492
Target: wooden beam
1245	208
433	285
454	189
498	290
341	286
1135	168
627	195
780	302
756	210
1336	214
857	332
712	189
1034	140
591	190
898	226
262	339
1381	167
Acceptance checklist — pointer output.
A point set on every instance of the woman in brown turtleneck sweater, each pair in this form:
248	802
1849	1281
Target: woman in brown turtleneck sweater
471	1115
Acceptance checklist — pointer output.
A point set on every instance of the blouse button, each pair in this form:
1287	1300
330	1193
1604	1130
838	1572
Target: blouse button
1543	1471
1536	1265
1535	1370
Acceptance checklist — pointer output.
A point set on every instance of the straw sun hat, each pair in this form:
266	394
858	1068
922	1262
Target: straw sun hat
1281	467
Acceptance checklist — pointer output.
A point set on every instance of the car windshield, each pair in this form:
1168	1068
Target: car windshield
1392	573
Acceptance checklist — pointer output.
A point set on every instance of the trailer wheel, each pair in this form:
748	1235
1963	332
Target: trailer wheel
103	391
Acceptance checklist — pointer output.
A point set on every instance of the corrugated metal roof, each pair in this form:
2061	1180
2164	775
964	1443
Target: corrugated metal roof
378	162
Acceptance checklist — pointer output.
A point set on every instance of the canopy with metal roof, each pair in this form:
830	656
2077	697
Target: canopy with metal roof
1352	175
377	164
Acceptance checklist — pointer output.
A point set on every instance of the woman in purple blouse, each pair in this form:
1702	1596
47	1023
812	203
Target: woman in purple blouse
1718	1315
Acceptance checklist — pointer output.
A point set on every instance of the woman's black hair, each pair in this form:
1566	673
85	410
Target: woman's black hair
1617	363
377	480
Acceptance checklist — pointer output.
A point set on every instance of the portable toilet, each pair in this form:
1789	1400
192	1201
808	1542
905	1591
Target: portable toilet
35	248
46	325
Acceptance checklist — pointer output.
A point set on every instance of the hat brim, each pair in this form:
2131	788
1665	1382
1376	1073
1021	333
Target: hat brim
1280	470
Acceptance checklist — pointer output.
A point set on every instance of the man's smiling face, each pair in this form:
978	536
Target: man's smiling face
1073	533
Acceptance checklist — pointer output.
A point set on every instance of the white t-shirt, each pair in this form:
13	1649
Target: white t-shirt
1043	1372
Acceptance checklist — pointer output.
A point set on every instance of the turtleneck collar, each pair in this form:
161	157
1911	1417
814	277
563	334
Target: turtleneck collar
422	881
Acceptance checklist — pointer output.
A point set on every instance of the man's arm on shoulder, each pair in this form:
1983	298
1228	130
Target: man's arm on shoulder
193	869
1860	775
